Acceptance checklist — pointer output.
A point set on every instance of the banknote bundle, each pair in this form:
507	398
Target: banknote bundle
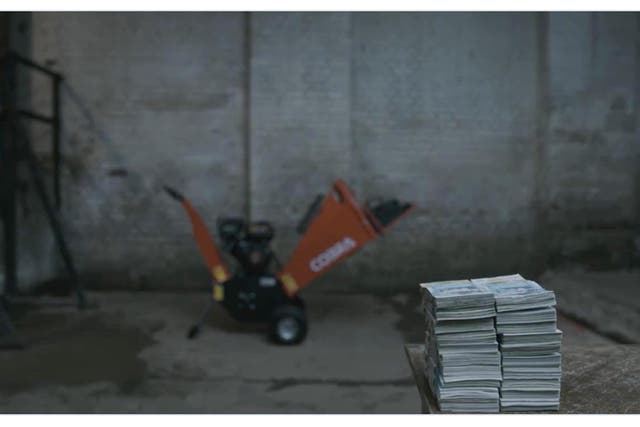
462	358
529	343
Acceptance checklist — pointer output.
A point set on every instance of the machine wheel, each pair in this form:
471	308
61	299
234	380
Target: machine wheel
288	325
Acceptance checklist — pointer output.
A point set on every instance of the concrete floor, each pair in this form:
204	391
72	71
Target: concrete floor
130	355
607	301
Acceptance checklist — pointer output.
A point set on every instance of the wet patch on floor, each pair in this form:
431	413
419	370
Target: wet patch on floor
410	321
72	349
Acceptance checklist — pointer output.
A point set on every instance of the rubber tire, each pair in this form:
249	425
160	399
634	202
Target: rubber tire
283	312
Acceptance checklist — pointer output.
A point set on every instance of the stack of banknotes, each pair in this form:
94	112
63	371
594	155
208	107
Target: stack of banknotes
461	351
492	344
529	343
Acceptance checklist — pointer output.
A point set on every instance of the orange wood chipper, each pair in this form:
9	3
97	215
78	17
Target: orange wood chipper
261	289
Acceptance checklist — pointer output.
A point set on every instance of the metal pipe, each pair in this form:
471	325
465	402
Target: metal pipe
8	170
56	141
36	116
54	221
29	63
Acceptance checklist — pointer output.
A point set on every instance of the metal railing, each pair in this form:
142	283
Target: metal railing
15	147
9	109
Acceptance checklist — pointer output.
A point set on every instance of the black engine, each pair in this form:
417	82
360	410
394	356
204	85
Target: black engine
249	243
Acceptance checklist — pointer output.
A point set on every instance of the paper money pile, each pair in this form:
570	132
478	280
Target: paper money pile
461	351
529	343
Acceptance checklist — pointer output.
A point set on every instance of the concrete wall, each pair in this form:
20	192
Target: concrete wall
515	134
593	145
152	99
442	115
